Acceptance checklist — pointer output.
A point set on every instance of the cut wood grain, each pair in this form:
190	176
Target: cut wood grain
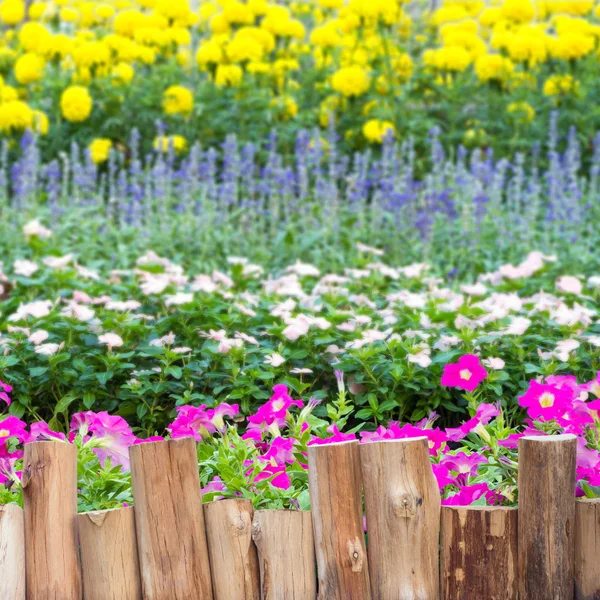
50	508
587	549
109	556
169	521
286	554
402	502
546	517
478	553
12	552
233	559
335	488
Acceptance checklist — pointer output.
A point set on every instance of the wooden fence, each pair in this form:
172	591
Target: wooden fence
172	547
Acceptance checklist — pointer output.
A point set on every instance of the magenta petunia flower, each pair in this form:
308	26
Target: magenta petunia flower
469	494
546	402
192	421
337	437
13	427
40	432
485	413
5	389
435	437
466	374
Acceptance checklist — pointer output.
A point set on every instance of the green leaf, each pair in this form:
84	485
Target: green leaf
174	371
37	371
65	402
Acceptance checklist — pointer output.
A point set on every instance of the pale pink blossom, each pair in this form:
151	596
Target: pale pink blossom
112	340
58	262
275	359
569	285
179	299
36	309
36	229
48	349
37	337
25	268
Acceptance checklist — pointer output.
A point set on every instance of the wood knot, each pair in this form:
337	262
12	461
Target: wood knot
356	555
26	476
405	505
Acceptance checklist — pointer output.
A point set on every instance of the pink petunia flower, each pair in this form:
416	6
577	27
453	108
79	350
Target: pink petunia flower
13	427
546	402
485	413
40	432
469	494
466	374
337	437
5	389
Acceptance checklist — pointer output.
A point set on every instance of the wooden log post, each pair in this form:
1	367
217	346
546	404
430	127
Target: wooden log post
546	517
12	552
478	553
169	521
587	546
233	559
109	556
402	502
335	488
50	508
286	554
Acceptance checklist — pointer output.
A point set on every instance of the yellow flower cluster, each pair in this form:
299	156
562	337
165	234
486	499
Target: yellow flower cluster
362	56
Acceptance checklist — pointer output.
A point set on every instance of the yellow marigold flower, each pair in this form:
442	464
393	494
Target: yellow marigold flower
259	68
29	68
163	143
325	36
12	12
99	150
520	11
332	4
146	55
76	103
209	52
207	10
490	16
521	111
37	10
104	11
123	73
91	54
8	93
258	7
524	47
559	85
237	13
450	58
57	46
40	123
228	76
286	107
262	36
127	21
449	14
244	49
178	100
571	46
15	116
376	131
33	36
68	14
351	81
493	67
219	24
173	9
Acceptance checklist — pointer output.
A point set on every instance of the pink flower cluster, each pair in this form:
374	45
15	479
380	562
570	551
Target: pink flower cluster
200	422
